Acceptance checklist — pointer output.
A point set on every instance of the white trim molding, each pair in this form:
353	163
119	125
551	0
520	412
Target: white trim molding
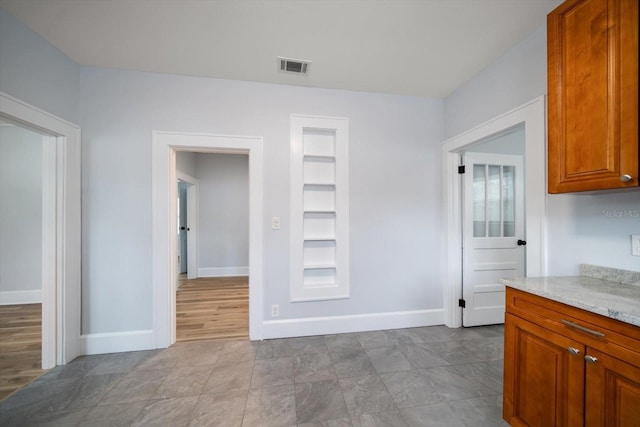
532	116
61	245
310	326
223	271
116	342
164	248
20	297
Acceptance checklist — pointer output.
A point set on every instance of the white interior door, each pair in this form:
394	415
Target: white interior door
183	227
493	233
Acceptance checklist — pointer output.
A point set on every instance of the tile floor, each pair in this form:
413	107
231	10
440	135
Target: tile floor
432	376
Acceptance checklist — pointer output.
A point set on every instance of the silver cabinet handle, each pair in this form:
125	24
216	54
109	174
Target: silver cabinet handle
573	351
590	359
626	178
582	328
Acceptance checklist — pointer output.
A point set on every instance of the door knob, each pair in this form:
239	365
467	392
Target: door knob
626	178
522	242
183	228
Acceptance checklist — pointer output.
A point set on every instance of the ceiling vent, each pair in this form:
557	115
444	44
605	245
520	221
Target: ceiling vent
296	66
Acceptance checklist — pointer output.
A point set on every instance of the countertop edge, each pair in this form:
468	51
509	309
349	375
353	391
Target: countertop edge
603	308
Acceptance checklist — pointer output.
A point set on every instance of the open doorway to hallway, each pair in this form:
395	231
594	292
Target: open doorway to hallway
212	218
21	255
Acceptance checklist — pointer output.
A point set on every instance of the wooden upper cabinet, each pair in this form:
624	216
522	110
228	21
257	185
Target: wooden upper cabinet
593	95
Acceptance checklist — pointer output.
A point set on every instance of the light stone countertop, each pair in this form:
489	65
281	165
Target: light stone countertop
620	301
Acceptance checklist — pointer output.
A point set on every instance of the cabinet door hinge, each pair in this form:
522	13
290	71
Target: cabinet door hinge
461	169
462	303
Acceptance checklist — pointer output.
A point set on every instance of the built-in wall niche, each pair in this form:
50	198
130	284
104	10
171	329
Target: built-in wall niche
319	208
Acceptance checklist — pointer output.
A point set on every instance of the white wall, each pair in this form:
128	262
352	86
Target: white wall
36	72
578	228
394	181
223	213
20	210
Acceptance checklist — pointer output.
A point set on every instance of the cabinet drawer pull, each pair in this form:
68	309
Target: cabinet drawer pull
573	351
582	328
590	359
626	178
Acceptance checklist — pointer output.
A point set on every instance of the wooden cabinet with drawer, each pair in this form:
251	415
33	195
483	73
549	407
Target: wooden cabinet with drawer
568	367
593	95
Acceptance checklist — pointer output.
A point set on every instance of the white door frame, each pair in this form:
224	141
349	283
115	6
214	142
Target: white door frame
532	115
192	223
164	225
61	215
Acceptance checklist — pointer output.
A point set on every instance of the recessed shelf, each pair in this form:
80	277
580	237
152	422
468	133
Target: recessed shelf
319	263
319	266
319	211
320	184
319	238
318	157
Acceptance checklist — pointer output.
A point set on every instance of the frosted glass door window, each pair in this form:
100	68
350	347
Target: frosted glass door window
493	201
508	201
479	211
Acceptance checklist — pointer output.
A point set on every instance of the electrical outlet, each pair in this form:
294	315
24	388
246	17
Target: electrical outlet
275	223
275	310
635	244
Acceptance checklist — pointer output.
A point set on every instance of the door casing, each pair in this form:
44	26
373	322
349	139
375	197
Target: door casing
164	177
532	116
61	245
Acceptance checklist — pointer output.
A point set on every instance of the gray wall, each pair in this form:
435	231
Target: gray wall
509	143
186	162
395	191
518	76
581	228
36	72
20	209
223	210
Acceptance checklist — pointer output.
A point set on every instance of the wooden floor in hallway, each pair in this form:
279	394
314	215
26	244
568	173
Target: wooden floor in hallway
20	346
211	308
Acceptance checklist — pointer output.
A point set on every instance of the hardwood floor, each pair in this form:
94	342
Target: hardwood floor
212	308
20	346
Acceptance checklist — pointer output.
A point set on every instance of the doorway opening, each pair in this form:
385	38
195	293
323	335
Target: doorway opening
166	145
531	118
55	248
212	217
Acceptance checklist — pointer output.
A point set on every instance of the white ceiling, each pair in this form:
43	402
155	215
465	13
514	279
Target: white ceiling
409	47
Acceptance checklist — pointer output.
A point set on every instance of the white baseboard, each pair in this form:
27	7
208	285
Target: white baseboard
352	323
20	297
116	342
223	271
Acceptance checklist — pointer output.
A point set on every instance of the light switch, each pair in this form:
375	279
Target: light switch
275	223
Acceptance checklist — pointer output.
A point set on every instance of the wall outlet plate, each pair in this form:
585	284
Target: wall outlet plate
635	244
275	310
